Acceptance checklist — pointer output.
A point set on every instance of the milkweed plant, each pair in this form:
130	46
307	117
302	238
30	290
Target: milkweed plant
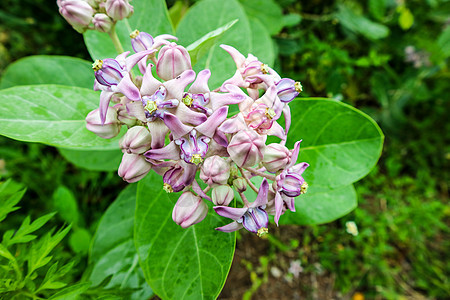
215	139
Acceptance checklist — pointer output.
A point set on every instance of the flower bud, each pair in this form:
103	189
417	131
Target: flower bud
288	89
173	60
246	148
276	157
178	177
222	195
189	210
102	22
215	170
141	41
240	184
118	9
137	140
123	116
109	129
133	167
108	71
77	13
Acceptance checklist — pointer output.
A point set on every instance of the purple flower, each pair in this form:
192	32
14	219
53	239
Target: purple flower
193	148
179	176
156	105
290	184
253	217
288	89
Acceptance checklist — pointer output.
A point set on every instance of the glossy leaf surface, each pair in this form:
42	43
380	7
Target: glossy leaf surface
113	252
340	143
46	69
50	114
179	263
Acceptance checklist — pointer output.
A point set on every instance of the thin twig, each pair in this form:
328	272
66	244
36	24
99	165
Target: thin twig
259	173
248	180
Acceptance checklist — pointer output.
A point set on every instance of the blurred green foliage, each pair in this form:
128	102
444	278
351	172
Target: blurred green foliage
388	58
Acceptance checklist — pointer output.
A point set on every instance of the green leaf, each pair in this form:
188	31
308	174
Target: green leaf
340	143
377	8
262	42
360	24
80	240
103	160
179	263
72	292
23	234
45	69
322	206
201	46
10	195
206	16
444	42
38	256
150	16
51	114
268	12
406	18
66	204
113	252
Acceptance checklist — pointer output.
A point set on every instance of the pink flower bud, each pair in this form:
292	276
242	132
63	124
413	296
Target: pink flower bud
133	167
109	129
246	148
222	195
240	184
189	210
77	13
118	9
215	170
137	140
123	116
173	60
102	22
276	157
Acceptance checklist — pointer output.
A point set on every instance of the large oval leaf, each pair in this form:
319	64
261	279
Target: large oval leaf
113	252
50	114
340	143
322	206
100	160
179	263
45	69
150	16
206	16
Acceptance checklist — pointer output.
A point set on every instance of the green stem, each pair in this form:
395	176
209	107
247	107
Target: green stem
115	39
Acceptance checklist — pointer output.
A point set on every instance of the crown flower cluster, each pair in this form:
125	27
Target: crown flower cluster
178	127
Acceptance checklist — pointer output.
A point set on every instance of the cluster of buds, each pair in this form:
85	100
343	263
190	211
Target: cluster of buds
98	15
178	127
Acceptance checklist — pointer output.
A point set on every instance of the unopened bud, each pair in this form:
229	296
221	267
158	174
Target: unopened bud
109	129
222	195
189	210
141	41
118	9
240	184
288	89
246	148
137	140
102	23
276	157
215	170
77	13
123	116
173	60
133	167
